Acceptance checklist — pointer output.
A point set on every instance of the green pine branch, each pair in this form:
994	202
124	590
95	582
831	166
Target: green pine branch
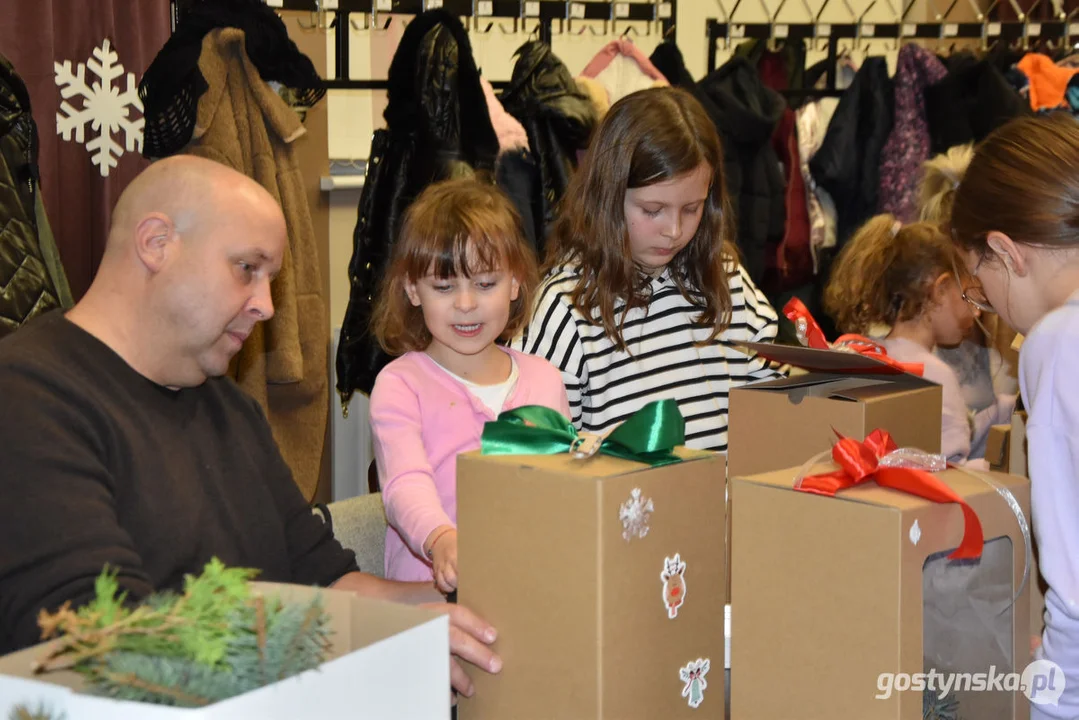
212	642
936	708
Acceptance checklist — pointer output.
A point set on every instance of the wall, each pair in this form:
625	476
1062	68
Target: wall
355	114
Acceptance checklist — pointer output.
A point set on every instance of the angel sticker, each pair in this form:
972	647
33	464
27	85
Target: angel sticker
674	584
693	676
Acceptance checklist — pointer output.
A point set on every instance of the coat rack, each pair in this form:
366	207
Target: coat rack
1006	33
480	16
1061	27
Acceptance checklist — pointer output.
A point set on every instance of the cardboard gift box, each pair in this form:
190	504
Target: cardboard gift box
605	578
998	448
1006	446
1017	445
852	600
1006	452
777	424
1016	464
386	661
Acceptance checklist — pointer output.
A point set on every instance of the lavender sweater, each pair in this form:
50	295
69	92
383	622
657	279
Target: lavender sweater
1050	387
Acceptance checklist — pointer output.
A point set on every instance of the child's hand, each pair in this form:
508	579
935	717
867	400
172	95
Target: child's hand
443	554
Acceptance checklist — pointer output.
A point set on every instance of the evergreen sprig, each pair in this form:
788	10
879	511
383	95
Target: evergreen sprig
936	708
214	641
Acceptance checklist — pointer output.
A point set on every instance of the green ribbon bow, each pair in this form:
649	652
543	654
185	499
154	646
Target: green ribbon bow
648	436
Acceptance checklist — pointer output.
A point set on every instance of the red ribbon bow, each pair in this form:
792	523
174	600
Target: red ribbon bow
799	314
860	461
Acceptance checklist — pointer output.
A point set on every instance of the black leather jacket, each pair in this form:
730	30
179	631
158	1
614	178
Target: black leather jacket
438	127
26	288
558	118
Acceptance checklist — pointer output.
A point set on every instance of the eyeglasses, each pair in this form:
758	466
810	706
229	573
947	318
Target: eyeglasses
974	295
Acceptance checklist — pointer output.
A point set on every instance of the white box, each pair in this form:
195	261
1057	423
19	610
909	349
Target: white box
386	661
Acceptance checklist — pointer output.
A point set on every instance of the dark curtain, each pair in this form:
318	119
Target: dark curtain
36	34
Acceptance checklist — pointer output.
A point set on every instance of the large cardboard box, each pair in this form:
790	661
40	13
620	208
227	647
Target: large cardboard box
1006	446
998	452
1006	451
1017	445
840	590
778	424
386	661
782	423
599	614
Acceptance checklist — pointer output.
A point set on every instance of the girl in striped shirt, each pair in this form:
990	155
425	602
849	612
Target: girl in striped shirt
644	297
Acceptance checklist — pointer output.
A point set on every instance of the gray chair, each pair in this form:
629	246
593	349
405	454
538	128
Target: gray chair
359	524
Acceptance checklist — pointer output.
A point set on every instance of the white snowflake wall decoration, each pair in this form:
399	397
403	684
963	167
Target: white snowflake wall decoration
104	107
635	514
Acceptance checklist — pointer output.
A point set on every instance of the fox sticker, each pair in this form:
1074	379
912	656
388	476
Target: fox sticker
674	584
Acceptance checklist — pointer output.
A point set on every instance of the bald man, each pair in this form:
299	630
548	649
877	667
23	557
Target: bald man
122	443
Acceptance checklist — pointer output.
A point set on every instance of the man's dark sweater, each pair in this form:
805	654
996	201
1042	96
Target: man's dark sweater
100	465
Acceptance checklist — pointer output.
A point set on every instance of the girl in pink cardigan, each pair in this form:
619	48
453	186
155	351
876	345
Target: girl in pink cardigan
461	279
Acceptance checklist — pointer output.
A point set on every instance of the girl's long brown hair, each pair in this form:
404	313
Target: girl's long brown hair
647	137
1023	181
457	227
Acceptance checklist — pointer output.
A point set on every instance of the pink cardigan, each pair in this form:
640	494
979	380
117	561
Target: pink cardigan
421	419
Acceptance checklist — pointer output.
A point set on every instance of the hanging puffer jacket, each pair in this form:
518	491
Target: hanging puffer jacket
438	127
558	117
31	279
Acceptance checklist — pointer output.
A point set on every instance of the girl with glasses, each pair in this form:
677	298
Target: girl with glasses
984	362
1015	222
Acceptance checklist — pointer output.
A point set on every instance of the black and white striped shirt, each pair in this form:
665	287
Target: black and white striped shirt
606	385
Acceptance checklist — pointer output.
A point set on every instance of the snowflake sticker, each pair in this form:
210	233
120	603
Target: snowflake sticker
104	107
635	514
915	533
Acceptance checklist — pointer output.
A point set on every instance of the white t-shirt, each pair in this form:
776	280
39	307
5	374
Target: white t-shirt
492	396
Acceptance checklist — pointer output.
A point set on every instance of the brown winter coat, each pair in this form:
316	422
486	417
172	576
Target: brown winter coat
244	124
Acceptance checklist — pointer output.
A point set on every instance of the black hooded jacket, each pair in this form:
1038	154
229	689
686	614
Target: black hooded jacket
438	128
972	100
847	165
669	61
558	118
746	113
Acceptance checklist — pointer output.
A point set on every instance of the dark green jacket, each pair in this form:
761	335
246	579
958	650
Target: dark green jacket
32	280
